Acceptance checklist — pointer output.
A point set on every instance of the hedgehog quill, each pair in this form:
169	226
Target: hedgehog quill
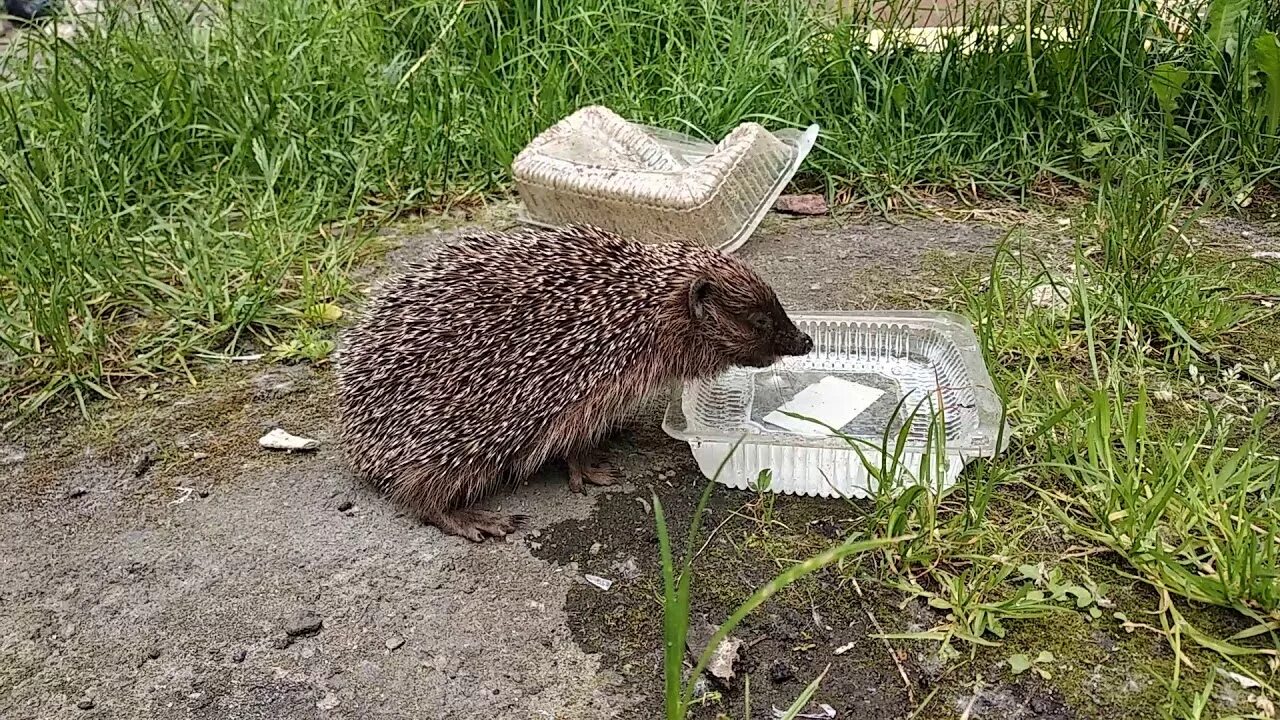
508	350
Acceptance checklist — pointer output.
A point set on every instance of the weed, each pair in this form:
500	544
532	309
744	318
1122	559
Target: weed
678	693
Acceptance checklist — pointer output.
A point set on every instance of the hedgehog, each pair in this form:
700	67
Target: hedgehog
509	350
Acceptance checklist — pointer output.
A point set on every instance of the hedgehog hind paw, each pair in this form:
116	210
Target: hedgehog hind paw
476	525
583	472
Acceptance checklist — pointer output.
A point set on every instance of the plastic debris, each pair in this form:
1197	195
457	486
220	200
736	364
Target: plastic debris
602	583
278	439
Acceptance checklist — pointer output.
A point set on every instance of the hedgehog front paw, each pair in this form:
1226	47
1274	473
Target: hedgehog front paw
476	525
581	471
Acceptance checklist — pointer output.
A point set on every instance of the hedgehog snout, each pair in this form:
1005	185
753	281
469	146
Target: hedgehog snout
796	343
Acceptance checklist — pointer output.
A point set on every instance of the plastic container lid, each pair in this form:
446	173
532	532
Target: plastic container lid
873	376
656	185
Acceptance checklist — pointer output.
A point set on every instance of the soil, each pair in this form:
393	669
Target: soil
159	564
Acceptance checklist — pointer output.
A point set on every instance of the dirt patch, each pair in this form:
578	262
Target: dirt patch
785	645
155	560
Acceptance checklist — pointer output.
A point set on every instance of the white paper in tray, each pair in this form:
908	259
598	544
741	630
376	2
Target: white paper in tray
832	401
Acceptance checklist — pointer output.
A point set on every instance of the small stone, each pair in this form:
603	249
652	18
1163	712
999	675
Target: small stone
595	549
780	671
345	504
238	656
629	569
816	286
281	642
153	653
328	702
1050	296
808	204
278	439
143	460
10	455
204	492
86	703
394	642
306	623
199	456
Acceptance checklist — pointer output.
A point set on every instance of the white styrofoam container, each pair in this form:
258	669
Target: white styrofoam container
930	369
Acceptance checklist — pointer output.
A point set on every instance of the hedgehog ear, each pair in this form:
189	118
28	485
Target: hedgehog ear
699	297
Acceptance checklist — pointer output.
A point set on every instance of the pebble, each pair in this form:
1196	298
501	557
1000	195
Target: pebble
86	703
307	623
328	702
394	642
595	549
345	504
153	653
143	461
807	204
281	642
628	569
10	455
238	656
781	671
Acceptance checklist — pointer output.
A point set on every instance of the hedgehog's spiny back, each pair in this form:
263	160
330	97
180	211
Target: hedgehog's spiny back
466	360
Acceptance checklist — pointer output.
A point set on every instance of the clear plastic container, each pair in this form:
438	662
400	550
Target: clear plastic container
656	185
919	371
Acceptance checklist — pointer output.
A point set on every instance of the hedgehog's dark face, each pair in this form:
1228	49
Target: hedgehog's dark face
745	323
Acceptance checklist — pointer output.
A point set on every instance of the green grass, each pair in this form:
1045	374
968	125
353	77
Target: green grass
167	175
1176	494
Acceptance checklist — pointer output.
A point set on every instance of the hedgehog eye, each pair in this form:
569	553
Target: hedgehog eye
760	321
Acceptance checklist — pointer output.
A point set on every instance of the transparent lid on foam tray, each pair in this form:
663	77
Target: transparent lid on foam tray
902	397
654	185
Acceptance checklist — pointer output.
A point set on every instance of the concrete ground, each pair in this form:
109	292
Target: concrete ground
158	564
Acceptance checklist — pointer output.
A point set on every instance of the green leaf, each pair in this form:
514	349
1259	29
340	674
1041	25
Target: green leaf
1084	598
1266	53
1030	572
1224	19
899	96
1045	657
324	313
1019	664
1167	81
764	480
939	603
1094	149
